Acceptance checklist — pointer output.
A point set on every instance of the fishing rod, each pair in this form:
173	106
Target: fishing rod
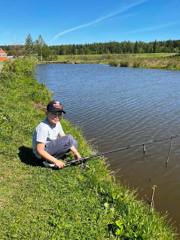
152	141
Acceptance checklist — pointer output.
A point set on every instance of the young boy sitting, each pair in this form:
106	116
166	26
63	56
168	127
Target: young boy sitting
49	140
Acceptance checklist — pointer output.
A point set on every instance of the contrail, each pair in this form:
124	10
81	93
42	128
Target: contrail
149	29
110	15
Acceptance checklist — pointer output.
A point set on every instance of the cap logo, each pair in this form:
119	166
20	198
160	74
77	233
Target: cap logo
57	105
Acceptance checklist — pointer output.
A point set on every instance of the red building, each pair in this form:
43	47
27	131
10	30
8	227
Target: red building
3	55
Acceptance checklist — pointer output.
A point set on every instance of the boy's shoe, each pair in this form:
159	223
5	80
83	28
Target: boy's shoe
50	165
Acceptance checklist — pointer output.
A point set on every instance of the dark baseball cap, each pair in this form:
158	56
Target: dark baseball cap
55	107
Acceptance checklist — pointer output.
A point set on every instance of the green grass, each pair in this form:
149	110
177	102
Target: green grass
1	66
73	203
169	61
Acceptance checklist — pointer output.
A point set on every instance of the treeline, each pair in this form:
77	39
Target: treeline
44	52
172	46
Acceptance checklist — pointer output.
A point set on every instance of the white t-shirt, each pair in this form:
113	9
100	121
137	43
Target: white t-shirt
44	133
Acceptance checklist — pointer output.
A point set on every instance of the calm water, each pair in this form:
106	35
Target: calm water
121	106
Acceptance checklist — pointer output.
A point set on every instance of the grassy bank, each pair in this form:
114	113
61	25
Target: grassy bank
73	203
150	60
1	65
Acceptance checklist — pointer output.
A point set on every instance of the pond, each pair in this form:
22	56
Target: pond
117	107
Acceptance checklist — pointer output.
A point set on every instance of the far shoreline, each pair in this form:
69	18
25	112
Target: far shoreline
163	61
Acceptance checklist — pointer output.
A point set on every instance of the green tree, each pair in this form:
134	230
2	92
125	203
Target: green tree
136	47
46	53
28	45
155	47
39	46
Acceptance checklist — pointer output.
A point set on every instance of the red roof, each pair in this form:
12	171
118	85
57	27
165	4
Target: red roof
2	51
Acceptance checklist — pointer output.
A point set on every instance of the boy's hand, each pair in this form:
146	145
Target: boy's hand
77	156
59	164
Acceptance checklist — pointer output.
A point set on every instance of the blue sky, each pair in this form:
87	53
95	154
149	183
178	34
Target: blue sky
82	21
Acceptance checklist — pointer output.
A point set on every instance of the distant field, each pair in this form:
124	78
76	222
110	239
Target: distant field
144	60
106	57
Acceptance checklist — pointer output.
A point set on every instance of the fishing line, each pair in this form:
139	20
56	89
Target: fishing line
150	142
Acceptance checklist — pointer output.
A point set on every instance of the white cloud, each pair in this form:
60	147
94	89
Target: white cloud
98	20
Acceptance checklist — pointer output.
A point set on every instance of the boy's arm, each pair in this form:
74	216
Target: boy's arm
75	152
61	131
40	148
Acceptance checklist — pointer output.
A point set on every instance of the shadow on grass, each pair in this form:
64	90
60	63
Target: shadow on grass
26	156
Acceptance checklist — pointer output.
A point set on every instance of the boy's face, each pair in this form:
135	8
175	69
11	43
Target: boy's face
53	118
